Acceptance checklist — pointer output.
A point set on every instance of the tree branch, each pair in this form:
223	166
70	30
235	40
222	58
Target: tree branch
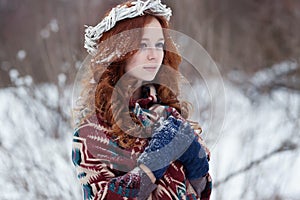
285	146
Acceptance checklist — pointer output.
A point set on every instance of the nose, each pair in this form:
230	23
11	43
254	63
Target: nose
151	53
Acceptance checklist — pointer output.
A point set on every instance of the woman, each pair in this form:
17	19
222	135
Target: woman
132	139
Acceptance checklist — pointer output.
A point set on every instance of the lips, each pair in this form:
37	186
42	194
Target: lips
150	68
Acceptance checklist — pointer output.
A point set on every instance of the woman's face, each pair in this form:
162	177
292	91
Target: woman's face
146	62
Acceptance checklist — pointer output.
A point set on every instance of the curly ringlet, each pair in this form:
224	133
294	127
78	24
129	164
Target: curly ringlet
106	73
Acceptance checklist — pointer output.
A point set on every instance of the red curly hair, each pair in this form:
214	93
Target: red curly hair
119	44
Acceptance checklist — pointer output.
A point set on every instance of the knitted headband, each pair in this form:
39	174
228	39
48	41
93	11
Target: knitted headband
118	13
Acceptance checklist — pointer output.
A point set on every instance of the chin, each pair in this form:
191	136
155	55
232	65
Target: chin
150	78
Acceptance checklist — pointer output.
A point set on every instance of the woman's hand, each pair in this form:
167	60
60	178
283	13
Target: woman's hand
170	140
195	161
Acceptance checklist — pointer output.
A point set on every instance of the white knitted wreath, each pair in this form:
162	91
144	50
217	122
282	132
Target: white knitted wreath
93	34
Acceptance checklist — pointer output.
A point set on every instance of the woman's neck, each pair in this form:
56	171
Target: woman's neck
137	93
138	89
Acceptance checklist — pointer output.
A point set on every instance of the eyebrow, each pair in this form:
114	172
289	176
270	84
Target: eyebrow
147	39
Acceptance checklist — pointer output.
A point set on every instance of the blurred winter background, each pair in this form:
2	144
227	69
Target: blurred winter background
255	44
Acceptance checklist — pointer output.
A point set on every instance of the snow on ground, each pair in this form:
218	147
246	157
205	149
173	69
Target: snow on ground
251	131
36	144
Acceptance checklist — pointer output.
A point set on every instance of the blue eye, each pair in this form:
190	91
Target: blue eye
143	45
160	45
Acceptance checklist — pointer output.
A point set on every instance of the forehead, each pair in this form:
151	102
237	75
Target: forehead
152	29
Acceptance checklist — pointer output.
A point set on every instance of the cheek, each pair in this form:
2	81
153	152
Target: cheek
134	61
129	65
162	55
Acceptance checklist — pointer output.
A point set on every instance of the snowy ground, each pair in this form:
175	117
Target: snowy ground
35	145
252	131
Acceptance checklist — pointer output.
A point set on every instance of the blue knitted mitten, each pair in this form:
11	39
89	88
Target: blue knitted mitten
195	161
168	142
